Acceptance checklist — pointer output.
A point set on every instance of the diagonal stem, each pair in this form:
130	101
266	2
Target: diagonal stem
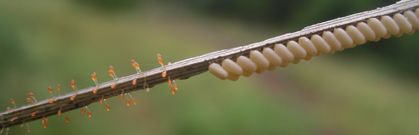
182	69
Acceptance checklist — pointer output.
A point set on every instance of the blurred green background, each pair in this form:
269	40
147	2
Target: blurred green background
369	90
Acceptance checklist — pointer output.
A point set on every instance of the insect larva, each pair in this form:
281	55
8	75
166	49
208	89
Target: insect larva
285	54
247	65
308	46
378	28
366	31
218	71
297	50
332	41
356	35
403	23
412	19
390	25
321	44
272	57
260	60
344	38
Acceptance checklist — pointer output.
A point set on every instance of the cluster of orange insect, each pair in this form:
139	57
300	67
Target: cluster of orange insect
128	99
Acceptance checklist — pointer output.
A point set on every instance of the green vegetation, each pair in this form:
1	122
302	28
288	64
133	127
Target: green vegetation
371	89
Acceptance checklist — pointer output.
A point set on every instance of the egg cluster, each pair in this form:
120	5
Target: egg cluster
329	42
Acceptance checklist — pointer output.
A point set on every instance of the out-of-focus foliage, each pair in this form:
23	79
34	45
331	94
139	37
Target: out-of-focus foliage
110	5
46	42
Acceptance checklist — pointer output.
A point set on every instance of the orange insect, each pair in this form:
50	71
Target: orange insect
58	88
172	85
73	86
50	91
136	66
83	111
161	62
87	111
44	122
107	107
93	76
125	100
130	100
30	99
112	73
89	114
